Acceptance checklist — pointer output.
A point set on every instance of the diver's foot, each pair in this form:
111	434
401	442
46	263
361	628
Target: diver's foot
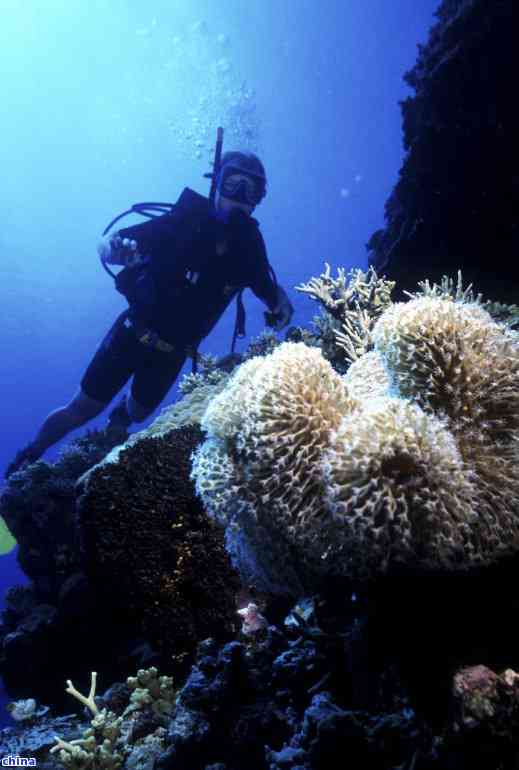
119	419
25	456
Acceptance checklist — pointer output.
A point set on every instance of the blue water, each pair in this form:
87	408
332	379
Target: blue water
108	102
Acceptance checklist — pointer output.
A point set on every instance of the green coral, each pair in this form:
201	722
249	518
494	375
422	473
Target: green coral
153	691
107	744
98	747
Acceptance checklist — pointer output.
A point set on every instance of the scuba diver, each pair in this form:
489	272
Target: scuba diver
180	272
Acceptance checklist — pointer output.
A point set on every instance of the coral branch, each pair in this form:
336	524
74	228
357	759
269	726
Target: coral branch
89	701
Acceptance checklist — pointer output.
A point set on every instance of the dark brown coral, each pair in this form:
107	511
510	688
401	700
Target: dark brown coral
147	541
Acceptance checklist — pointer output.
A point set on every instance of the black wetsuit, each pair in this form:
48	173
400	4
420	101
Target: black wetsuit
197	264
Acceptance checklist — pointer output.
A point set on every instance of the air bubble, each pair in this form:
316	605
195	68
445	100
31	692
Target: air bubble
200	27
223	66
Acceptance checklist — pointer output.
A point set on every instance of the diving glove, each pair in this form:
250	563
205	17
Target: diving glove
282	312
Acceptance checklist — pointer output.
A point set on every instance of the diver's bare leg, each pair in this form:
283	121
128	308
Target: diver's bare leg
61	421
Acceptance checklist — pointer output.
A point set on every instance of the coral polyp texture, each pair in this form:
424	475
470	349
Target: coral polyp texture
279	411
367	377
397	489
454	360
146	539
451	358
273	422
409	459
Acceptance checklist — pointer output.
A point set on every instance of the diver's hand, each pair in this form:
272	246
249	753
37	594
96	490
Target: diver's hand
283	310
115	250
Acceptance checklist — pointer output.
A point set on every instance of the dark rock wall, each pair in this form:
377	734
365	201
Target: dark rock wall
456	203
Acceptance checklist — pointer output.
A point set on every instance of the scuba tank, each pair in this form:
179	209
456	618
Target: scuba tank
154	209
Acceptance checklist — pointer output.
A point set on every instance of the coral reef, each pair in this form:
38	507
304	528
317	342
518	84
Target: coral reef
314	475
38	505
350	306
453	360
207	373
25	710
483	698
177	576
454	203
273	422
320	480
447	288
197	390
367	377
133	738
324	680
262	345
402	470
51	625
398	491
37	739
147	543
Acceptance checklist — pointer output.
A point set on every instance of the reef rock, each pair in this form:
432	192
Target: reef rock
455	203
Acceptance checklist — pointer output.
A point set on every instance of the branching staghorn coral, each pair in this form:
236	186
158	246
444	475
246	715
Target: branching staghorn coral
447	289
352	303
191	382
107	744
97	748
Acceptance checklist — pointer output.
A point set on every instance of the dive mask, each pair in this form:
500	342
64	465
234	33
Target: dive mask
241	187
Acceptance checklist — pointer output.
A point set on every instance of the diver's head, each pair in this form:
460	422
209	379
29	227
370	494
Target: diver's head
241	183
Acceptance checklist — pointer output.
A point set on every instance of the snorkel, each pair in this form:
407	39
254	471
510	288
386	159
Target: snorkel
239	178
213	176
